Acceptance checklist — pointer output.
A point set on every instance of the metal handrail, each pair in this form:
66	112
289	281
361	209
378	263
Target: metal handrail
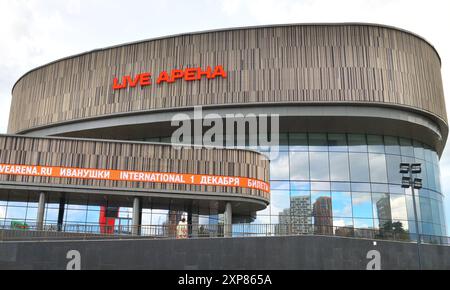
173	231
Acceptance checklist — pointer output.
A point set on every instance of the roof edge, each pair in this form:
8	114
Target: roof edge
230	29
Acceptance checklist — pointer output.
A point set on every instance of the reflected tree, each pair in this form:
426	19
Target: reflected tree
393	230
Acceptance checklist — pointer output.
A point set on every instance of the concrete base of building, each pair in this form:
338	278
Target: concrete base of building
292	252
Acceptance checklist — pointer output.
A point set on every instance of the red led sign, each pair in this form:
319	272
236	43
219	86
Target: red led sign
189	74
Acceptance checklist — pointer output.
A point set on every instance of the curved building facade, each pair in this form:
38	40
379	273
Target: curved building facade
354	101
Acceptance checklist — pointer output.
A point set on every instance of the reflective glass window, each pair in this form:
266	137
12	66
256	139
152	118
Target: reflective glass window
76	206
16	213
406	147
31	213
52	205
379	187
437	178
319	166
2	212
339	166
424	173
343	226
146	219
340	186
300	186
400	226
441	213
418	150
321	203
279	167
435	211
274	185
17	204
283	142
320	186
398	207
359	167
93	216
410	207
298	142
375	143
357	143
75	216
341	204
427	228
362	205
300	206
377	164
393	169
381	208
51	214
431	175
318	142
337	142
280	201
428	153
391	145
363	224
360	186
299	165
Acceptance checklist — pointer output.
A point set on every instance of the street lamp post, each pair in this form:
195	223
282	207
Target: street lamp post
414	183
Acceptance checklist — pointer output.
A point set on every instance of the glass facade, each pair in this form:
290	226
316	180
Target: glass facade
318	180
353	181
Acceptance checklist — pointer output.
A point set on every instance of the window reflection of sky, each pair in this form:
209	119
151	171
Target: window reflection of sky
356	166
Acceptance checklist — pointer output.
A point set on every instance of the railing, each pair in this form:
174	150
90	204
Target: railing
82	231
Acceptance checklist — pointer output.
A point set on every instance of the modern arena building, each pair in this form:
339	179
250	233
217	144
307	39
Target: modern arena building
89	135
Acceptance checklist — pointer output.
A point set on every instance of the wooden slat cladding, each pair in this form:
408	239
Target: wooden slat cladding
299	63
133	156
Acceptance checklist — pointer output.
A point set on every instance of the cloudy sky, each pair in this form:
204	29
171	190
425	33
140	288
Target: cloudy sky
34	32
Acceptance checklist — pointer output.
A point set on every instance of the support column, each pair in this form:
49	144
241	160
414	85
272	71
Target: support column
40	212
136	220
189	223
62	204
227	220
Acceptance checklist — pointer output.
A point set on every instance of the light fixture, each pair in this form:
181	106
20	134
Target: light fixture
404	167
417	183
416	168
406	182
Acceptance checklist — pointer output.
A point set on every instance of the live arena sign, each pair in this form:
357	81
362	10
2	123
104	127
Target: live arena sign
188	74
133	176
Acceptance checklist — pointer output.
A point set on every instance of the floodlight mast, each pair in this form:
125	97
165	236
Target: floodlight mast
413	183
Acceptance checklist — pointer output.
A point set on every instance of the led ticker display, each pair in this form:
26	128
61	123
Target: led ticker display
134	176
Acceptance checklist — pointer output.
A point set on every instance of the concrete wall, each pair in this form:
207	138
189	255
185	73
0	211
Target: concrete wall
296	252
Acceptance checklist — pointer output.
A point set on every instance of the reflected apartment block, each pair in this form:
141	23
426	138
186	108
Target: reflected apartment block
301	215
297	218
383	211
323	216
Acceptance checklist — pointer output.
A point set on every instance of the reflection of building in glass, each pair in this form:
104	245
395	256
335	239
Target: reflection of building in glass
365	233
322	212
345	231
301	214
383	211
284	222
297	218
